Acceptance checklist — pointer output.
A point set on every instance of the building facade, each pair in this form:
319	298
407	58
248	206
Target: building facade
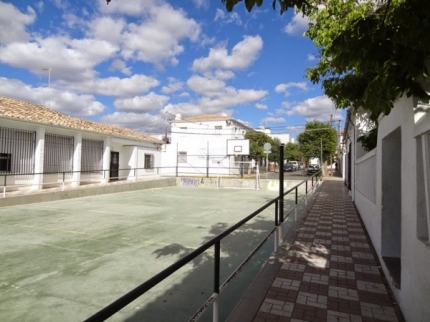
198	146
41	148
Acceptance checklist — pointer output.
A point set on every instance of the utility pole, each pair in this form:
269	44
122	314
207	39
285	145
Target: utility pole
49	75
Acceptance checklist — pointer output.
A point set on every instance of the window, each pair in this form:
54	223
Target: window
423	186
58	153
149	161
92	155
218	129
21	145
182	157
5	162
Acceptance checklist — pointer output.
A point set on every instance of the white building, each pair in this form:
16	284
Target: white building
284	137
390	186
198	145
40	147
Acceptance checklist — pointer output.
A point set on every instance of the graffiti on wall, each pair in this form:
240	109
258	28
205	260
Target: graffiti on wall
190	182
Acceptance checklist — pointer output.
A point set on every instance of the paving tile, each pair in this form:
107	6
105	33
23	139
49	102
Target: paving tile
371	287
311	299
340	247
315	278
287	284
339	273
334	316
369	269
376	311
341	259
294	267
359	244
343	293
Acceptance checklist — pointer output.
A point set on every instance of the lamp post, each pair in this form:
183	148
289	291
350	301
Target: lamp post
49	75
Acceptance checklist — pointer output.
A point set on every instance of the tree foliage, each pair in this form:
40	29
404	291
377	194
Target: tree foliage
256	144
310	140
370	52
292	151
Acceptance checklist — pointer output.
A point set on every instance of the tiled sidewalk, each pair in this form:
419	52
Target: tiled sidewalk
330	272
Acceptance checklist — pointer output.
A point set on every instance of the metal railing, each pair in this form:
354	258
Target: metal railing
215	242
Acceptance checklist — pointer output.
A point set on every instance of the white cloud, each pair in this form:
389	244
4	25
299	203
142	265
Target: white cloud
229	17
201	3
107	28
132	8
113	86
261	106
296	129
229	97
63	101
173	86
283	88
13	23
273	120
205	86
298	25
157	39
242	55
145	123
311	57
39	5
81	55
120	65
223	74
317	108
141	104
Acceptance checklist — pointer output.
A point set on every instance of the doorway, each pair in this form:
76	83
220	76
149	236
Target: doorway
391	228
114	166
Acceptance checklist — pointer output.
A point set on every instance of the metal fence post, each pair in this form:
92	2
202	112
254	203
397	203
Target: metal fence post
64	176
217	255
276	226
295	208
281	190
306	192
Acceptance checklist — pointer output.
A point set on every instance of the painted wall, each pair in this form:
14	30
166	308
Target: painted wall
198	140
414	290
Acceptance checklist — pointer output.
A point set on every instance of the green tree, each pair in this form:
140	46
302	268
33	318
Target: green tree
370	52
274	151
310	140
256	144
292	151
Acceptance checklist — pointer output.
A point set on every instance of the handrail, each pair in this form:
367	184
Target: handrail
129	297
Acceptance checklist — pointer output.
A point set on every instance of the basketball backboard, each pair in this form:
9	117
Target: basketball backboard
237	147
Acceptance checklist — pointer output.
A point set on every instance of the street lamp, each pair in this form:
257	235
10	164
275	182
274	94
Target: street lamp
49	75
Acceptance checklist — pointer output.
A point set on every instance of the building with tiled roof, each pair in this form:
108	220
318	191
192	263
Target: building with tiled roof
31	112
43	143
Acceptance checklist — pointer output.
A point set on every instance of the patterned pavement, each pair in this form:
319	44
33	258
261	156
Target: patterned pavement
330	272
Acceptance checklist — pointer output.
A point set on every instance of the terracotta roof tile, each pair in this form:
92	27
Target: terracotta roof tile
26	111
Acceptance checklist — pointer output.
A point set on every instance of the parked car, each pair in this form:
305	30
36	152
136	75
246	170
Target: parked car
313	168
295	165
289	167
301	166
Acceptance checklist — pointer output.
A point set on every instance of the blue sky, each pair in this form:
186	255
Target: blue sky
136	63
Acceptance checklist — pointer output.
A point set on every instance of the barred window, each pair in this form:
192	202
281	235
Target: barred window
149	161
91	155
17	148
58	154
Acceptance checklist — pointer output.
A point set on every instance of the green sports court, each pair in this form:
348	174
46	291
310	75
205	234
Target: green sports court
65	260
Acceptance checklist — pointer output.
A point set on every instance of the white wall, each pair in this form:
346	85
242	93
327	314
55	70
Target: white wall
414	292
